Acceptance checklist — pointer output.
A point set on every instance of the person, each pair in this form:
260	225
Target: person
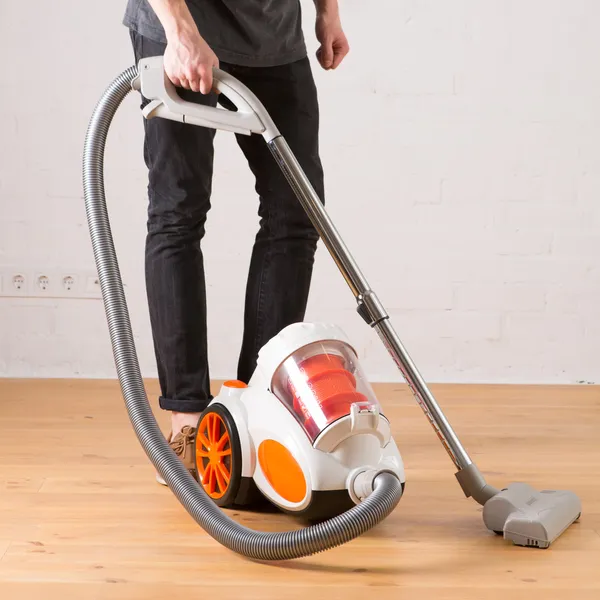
261	43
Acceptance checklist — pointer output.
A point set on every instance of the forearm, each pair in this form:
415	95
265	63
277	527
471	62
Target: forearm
326	7
174	16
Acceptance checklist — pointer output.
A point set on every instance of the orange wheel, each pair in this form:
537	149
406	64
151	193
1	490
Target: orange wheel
218	455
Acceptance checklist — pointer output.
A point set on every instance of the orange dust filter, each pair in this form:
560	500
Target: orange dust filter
328	384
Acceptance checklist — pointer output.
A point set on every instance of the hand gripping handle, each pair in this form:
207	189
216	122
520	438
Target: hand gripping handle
164	101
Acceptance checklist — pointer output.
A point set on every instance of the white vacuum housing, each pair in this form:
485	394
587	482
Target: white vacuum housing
307	431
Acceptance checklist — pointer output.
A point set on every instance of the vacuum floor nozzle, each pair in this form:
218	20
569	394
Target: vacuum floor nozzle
531	518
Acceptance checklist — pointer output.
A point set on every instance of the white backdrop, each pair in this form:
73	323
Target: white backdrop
461	142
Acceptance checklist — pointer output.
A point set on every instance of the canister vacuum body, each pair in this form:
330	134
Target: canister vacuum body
307	432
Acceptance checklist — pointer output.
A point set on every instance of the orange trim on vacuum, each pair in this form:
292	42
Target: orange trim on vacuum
235	383
282	471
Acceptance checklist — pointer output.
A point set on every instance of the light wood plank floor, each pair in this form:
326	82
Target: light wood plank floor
82	517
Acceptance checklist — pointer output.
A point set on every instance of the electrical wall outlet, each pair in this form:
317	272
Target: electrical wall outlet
68	283
49	283
18	283
42	283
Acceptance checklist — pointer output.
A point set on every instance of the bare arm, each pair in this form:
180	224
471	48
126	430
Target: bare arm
326	6
334	45
188	58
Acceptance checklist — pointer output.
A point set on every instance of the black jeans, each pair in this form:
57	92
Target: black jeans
179	158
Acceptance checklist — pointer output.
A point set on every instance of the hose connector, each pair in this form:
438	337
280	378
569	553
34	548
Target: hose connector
361	482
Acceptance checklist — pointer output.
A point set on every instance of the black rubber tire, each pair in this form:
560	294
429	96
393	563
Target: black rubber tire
228	499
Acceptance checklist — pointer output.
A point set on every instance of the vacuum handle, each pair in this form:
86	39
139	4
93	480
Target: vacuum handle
164	101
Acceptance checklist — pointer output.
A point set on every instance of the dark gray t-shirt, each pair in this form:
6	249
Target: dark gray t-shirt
256	33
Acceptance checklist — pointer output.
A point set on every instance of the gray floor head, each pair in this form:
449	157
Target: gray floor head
531	518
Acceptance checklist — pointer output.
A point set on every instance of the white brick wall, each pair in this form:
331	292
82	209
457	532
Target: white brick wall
461	142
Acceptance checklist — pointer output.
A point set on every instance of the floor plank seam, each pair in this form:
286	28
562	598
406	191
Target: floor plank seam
5	551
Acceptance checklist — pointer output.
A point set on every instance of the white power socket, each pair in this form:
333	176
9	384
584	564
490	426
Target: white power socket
17	283
51	283
42	282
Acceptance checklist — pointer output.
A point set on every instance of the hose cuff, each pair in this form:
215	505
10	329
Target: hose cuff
361	482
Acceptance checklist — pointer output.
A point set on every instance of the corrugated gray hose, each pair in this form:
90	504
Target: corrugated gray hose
252	544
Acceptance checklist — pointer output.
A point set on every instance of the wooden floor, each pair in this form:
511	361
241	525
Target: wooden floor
82	517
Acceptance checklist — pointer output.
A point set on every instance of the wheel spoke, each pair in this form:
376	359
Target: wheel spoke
201	453
224	452
219	477
211	479
204	478
223	472
216	428
223	441
205	442
209	427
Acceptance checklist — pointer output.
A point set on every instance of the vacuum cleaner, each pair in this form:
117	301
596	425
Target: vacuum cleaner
306	432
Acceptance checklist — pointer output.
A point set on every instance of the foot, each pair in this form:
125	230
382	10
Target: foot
183	446
180	420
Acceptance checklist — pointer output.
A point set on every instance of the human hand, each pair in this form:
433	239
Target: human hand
189	61
334	45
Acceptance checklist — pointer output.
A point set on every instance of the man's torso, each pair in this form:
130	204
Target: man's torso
258	33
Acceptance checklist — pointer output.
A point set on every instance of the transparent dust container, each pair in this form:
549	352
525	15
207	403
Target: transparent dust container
320	382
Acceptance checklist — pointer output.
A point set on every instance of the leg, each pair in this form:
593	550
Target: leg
283	254
179	158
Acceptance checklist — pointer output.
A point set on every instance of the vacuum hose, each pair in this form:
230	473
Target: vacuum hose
252	544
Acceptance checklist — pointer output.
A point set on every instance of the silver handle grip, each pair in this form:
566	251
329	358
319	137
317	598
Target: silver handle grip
250	117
